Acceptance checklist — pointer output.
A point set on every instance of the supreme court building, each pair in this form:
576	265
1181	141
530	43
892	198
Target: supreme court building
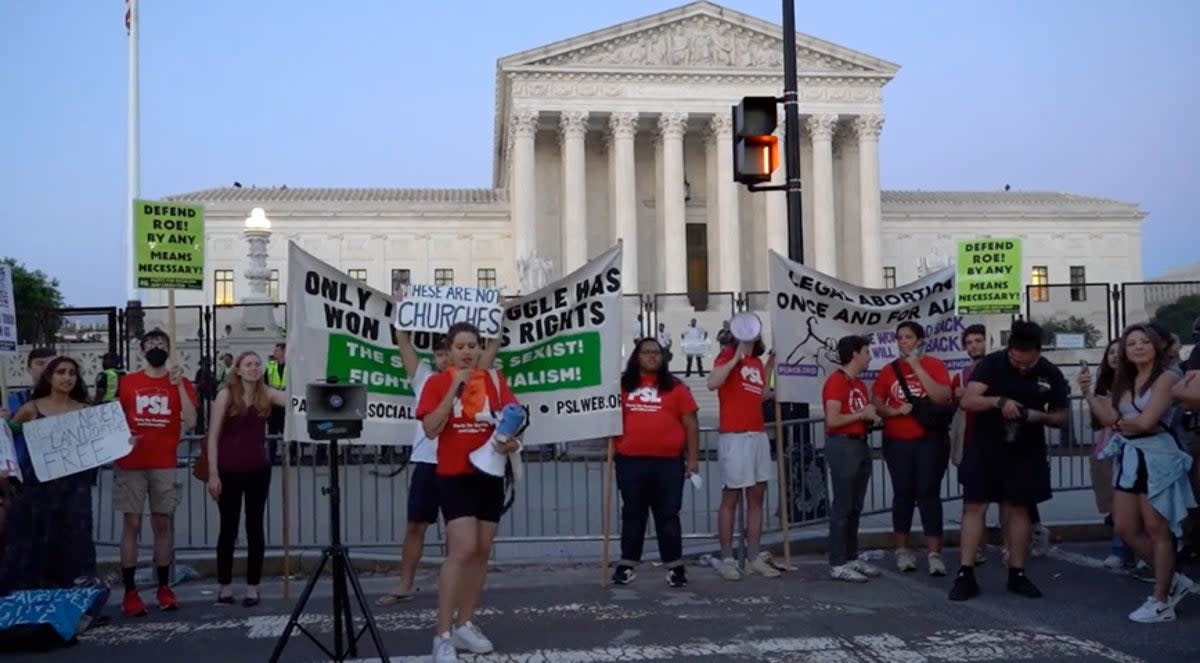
624	133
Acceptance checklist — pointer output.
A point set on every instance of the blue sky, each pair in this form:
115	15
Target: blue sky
1096	97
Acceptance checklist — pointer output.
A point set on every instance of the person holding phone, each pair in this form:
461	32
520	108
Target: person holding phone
916	457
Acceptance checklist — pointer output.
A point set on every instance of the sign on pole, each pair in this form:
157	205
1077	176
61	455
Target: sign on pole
433	308
8	313
989	276
170	245
811	311
562	354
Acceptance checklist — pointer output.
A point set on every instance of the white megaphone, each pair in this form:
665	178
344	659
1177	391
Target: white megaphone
746	327
487	458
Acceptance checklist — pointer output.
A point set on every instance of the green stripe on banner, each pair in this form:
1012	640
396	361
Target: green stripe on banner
381	369
564	362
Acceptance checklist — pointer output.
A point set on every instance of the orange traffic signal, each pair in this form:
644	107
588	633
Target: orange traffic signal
755	146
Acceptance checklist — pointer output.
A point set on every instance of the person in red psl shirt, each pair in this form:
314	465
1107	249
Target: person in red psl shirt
849	415
916	458
160	405
741	382
659	415
457	408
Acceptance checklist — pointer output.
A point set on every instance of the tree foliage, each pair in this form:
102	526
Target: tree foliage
1070	325
1179	315
37	299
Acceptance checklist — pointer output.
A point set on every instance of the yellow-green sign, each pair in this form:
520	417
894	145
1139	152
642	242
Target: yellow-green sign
170	245
989	276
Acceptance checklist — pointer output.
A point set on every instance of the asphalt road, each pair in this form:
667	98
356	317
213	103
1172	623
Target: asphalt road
561	614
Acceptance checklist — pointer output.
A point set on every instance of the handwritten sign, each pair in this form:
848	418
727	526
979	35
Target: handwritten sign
8	313
433	308
170	245
8	455
78	441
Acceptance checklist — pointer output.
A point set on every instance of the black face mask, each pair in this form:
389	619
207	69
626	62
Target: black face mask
156	357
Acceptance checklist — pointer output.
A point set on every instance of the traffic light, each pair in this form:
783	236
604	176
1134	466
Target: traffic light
755	146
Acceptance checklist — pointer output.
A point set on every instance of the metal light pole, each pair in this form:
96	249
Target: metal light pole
791	128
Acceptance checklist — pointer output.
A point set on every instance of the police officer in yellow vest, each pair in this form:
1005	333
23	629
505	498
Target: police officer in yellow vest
109	378
276	378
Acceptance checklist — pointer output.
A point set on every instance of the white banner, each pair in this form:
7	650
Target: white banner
8	314
338	326
810	311
433	308
78	441
562	354
560	351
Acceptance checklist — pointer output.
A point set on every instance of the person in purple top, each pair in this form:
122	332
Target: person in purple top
240	467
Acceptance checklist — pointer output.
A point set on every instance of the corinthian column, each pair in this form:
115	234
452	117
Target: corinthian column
729	247
522	182
623	127
821	128
870	226
572	133
671	127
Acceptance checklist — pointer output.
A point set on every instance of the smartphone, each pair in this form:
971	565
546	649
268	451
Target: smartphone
1083	366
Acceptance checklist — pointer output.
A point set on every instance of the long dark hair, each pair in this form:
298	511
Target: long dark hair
631	379
42	389
1126	375
1106	374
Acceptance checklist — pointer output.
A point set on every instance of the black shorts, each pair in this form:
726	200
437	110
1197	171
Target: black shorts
1141	481
423	494
475	495
1004	473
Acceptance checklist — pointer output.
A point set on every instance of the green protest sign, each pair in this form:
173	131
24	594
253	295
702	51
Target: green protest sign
989	276
567	362
170	245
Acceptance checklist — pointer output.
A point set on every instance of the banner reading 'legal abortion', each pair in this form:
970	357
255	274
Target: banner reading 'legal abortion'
810	311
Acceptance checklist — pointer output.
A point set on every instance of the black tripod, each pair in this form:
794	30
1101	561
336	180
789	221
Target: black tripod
342	570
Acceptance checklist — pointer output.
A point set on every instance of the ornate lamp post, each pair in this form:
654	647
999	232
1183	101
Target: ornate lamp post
258	310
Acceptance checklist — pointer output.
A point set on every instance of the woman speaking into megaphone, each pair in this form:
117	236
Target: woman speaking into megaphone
458	407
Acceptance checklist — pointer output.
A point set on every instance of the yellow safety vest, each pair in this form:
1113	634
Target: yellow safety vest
112	379
275	378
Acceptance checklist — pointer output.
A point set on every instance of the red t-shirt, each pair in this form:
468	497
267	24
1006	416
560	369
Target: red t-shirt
888	390
155	414
740	397
470	423
654	420
852	394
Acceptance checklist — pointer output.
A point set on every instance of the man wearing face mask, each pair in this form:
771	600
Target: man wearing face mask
160	404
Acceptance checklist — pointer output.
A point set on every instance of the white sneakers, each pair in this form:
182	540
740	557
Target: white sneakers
854	571
1154	611
467	637
906	560
937	566
729	569
762	566
1040	545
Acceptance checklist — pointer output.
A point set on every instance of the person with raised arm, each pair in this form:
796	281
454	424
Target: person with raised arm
740	380
160	405
460	408
423	501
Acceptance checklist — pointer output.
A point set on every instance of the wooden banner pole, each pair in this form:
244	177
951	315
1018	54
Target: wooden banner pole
784	485
606	517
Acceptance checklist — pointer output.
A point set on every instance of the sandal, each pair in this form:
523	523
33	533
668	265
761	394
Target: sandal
393	598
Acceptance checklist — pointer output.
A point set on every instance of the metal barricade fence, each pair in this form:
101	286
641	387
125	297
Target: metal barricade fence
558	510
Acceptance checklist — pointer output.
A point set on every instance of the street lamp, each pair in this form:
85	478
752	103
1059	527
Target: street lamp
258	310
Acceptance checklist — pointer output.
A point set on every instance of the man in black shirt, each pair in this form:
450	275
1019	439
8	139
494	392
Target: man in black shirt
1015	394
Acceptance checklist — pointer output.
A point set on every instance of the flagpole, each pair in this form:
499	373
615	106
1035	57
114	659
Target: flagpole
133	149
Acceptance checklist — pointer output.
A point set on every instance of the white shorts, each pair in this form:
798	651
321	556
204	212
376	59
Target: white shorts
745	459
